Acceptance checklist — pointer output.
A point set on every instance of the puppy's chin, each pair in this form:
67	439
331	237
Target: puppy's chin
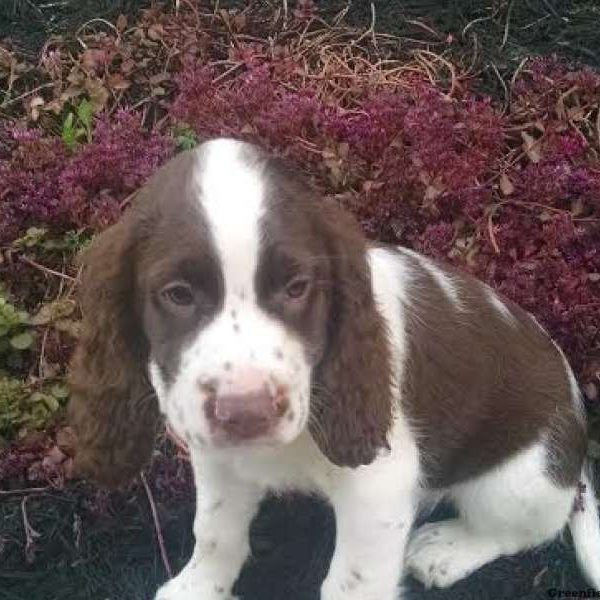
222	441
219	442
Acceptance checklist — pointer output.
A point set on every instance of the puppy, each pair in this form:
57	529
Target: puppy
291	354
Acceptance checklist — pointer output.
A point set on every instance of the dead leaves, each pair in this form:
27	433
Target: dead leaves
506	185
95	60
54	311
117	82
156	32
97	94
60	315
34	107
121	23
434	188
119	67
334	158
54	466
531	147
11	71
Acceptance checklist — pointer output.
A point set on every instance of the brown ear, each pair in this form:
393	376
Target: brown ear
351	411
113	409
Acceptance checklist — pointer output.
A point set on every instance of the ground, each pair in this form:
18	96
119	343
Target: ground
292	541
530	27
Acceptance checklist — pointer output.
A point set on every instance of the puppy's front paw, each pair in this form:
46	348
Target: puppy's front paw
354	585
191	586
442	553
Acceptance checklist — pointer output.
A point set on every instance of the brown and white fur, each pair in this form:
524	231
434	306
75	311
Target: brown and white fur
290	354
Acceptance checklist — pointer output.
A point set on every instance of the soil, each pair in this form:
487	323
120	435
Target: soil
117	558
504	31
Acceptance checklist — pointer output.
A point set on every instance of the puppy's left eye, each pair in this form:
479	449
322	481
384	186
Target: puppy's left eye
297	287
179	294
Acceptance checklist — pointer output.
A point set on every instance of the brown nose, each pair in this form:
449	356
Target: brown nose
247	407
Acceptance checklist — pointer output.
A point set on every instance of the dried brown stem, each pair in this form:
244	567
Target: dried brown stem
157	527
46	270
30	533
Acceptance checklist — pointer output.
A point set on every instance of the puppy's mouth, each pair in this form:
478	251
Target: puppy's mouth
224	439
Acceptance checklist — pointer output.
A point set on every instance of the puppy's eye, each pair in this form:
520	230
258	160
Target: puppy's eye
297	287
180	294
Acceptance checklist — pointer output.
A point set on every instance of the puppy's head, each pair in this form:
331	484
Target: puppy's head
246	301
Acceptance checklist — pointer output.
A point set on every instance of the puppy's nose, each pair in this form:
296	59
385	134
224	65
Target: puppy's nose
247	406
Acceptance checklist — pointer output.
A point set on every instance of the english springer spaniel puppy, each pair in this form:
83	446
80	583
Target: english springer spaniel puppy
291	354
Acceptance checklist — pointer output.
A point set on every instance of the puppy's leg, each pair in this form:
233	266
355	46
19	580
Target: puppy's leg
510	509
374	511
225	507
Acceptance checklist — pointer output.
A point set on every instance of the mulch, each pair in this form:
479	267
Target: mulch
117	557
503	31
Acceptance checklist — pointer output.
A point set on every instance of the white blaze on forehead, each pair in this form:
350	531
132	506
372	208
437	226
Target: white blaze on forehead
230	185
231	194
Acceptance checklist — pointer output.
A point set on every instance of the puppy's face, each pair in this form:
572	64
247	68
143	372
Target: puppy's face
233	278
247	300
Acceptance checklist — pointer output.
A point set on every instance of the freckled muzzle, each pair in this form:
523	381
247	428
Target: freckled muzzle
245	407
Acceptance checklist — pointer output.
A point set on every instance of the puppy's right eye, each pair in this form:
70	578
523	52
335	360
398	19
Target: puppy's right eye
297	287
179	294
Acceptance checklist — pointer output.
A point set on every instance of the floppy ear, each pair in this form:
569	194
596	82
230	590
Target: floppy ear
113	409
351	411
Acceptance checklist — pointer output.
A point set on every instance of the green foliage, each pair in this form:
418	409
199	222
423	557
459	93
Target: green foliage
185	137
33	237
39	238
24	408
25	405
70	242
78	125
15	335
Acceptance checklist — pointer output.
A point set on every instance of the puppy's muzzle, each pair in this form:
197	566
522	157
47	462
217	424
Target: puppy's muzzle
250	405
